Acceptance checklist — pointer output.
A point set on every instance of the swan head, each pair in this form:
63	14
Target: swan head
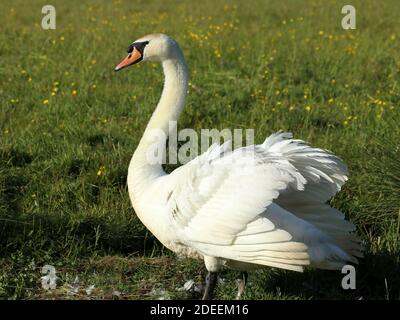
155	47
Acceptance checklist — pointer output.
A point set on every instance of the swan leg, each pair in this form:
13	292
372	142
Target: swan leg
211	281
242	281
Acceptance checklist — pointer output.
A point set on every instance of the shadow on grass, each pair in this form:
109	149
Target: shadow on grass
12	188
377	277
84	237
15	158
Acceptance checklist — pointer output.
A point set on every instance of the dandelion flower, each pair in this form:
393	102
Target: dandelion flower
101	170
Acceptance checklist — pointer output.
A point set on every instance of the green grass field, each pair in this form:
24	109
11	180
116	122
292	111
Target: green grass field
69	125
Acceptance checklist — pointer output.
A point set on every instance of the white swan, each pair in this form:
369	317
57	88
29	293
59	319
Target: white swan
209	208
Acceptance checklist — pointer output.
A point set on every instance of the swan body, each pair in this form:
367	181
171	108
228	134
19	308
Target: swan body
274	213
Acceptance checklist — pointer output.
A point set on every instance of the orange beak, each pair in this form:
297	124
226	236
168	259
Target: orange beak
134	57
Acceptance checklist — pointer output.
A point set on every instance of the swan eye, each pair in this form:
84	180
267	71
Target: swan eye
138	45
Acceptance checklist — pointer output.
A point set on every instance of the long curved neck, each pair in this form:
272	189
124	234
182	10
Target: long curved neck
172	98
168	109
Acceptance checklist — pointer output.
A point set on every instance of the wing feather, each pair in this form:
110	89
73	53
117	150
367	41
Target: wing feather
264	204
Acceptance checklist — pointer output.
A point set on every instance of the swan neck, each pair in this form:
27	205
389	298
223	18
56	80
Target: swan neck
166	113
173	95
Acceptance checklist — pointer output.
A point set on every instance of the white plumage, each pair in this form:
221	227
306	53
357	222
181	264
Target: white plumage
263	205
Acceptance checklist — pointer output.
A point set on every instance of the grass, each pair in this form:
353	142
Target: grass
69	124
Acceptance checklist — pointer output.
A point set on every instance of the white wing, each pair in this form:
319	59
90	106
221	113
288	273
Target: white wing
325	175
223	204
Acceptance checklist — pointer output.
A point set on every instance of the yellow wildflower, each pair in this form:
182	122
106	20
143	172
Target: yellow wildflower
101	171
